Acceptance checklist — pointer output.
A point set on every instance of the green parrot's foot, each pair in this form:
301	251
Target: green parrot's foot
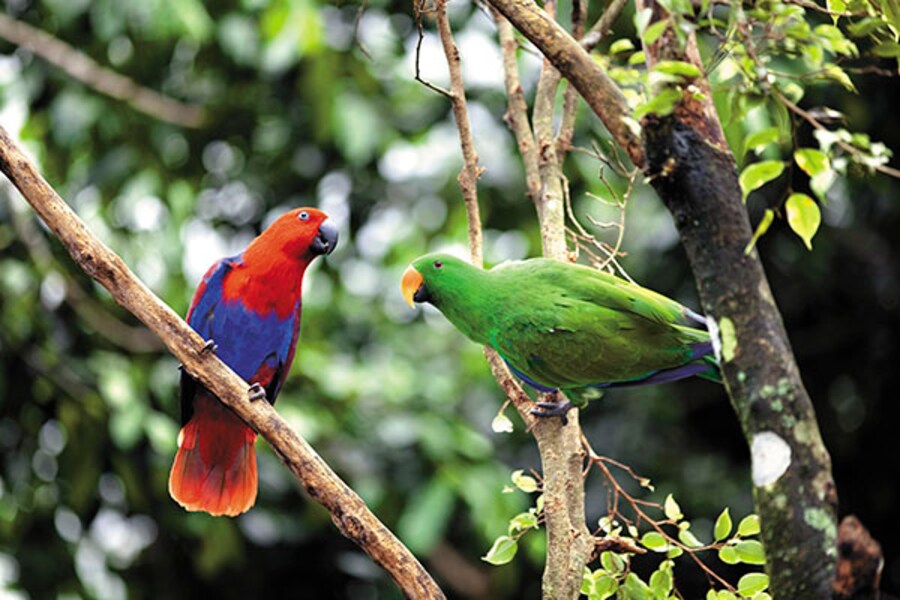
209	346
257	392
553	409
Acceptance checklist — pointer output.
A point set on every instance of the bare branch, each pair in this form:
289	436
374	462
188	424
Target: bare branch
603	25
576	65
348	512
468	176
517	109
81	67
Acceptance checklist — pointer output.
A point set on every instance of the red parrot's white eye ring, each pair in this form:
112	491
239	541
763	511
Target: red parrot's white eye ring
303	216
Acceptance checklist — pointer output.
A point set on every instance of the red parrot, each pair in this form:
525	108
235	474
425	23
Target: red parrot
248	309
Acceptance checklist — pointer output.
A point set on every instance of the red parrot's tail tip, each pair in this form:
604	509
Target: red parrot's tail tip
215	468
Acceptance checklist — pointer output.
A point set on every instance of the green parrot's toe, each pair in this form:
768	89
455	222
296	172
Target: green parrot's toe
553	409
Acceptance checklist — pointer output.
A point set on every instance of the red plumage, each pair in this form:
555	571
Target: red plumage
249	305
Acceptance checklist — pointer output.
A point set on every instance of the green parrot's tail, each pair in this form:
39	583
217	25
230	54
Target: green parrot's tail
712	373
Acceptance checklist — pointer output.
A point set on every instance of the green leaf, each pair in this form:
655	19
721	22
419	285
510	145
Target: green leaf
526	483
522	522
749	526
612	562
812	161
637	58
655	541
723	525
837	6
752	583
803	216
661	580
711	594
587	582
654	32
726	595
661	104
503	551
887	49
750	552
728	555
635	587
758	140
671	508
621	45
835	73
761	229
689	539
605	586
677	67
758	174
865	27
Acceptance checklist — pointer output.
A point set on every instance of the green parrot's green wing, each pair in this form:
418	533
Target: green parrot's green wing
568	326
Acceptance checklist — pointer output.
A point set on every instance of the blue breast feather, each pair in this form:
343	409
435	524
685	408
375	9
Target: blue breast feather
246	340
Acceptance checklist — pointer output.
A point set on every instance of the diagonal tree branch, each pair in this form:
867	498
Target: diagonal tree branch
348	512
83	68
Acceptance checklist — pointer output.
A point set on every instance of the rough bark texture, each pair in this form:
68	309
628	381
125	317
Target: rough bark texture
793	488
695	174
349	513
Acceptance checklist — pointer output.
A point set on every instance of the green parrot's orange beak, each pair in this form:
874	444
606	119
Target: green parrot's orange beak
410	283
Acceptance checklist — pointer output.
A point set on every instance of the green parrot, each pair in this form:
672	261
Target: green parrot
563	326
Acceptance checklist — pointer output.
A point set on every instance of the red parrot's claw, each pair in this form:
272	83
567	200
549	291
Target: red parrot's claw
209	346
552	409
257	392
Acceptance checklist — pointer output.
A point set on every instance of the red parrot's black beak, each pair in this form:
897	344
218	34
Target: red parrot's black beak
326	239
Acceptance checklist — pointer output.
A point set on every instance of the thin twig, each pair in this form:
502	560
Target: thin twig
81	67
846	147
603	25
348	512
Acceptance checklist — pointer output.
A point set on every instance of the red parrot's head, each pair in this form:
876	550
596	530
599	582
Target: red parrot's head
302	233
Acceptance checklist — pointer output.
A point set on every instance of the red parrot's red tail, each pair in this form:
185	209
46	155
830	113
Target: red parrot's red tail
215	468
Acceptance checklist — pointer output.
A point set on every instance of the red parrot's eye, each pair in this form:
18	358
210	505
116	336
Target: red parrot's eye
303	216
438	264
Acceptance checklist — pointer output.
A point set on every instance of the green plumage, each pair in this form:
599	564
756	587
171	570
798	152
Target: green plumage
569	327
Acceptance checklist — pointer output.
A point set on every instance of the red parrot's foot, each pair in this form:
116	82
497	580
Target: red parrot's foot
209	346
552	409
257	392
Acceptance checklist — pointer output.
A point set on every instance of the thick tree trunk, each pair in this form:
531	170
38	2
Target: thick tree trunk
793	489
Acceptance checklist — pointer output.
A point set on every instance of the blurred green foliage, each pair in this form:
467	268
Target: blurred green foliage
311	103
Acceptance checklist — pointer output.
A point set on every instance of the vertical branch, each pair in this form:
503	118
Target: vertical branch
468	176
562	456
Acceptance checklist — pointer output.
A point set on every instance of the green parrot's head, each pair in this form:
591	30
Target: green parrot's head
436	277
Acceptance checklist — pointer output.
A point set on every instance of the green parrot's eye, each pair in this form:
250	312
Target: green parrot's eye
438	264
